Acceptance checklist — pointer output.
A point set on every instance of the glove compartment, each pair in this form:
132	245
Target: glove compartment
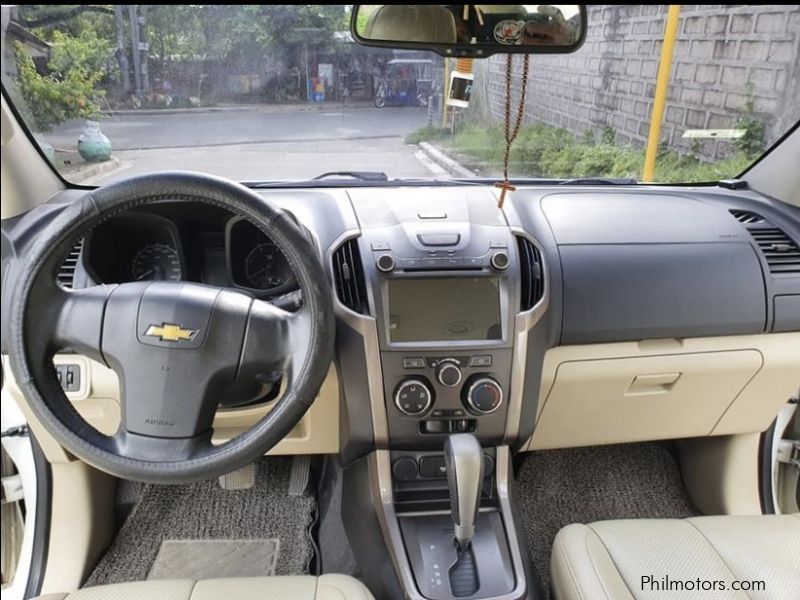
632	399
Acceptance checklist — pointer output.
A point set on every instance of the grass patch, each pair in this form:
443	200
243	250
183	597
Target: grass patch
426	134
545	151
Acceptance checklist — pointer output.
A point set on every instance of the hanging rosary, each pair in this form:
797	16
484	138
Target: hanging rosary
509	134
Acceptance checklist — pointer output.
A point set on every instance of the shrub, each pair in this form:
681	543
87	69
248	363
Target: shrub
69	90
545	151
752	143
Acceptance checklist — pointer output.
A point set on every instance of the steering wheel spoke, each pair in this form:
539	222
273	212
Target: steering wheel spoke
147	448
78	320
267	347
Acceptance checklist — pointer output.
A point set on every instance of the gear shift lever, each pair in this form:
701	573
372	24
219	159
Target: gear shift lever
464	461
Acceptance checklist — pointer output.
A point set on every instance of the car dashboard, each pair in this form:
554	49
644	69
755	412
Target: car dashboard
574	315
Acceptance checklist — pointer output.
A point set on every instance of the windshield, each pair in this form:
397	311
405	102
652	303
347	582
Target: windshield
281	92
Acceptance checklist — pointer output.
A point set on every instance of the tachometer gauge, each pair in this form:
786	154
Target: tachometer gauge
157	262
265	267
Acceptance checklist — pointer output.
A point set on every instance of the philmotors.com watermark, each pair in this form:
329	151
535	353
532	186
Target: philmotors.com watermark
666	583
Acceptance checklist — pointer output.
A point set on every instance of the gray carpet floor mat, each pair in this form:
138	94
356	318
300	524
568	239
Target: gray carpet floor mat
204	511
214	559
581	485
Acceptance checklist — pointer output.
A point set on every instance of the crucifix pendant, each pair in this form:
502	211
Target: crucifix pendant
505	187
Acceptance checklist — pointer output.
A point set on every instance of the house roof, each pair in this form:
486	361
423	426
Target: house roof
35	45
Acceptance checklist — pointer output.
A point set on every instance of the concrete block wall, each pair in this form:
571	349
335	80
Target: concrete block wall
724	55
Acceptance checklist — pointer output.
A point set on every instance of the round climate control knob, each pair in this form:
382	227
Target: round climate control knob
448	374
413	396
484	395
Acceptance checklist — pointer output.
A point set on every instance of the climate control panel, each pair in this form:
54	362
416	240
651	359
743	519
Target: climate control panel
432	394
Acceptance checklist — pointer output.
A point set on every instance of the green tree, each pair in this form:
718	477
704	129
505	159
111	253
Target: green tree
69	90
175	33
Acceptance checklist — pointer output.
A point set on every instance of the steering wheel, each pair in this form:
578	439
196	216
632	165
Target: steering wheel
175	346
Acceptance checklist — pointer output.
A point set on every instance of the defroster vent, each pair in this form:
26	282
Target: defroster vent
532	274
348	275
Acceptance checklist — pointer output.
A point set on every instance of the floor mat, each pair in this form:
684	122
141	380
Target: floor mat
204	511
581	485
211	559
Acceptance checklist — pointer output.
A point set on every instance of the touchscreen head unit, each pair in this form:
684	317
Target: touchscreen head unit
440	309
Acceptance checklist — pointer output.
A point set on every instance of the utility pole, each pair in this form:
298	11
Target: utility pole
122	54
137	65
144	49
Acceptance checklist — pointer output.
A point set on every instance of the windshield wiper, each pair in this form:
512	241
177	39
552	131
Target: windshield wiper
360	175
599	181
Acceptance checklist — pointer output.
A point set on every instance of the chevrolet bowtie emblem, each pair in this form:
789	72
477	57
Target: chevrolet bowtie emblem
169	332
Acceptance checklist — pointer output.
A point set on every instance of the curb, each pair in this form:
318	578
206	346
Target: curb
268	108
177	111
90	170
450	165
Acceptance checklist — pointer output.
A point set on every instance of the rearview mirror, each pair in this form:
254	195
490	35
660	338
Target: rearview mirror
472	30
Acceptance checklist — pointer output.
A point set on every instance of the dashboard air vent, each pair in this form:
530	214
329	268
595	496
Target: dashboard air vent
532	275
782	254
780	251
746	217
66	273
348	275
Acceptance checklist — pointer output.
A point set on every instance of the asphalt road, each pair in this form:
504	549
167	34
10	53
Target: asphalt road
271	143
135	131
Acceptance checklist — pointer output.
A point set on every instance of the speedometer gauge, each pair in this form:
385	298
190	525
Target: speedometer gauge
157	262
265	267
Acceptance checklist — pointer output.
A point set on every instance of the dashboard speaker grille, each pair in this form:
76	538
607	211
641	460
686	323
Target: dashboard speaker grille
348	275
532	276
66	272
779	250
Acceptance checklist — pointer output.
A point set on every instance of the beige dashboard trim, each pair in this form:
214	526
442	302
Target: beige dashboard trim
81	524
721	473
97	401
724	385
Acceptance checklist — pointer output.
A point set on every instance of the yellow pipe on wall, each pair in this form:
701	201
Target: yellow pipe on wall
662	83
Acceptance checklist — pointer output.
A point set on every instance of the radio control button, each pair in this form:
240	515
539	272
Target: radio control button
413	362
448	374
385	263
484	360
499	261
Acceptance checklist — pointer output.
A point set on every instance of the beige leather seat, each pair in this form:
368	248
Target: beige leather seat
609	559
325	587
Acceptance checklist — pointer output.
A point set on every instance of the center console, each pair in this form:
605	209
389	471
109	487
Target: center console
445	285
445	296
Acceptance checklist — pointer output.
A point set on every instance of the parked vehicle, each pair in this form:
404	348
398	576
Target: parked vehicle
406	82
